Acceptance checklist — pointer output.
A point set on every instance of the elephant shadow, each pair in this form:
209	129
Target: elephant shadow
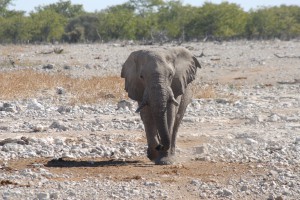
67	163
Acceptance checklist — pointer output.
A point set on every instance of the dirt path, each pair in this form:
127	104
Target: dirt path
176	178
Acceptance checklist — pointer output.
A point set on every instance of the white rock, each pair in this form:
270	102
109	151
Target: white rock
227	192
59	141
244	188
60	90
64	109
191	119
58	125
39	128
67	155
196	182
274	118
200	150
151	184
195	105
12	147
54	196
250	141
43	196
8	107
135	192
124	104
35	105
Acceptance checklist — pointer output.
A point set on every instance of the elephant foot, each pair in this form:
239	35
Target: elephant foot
152	154
164	159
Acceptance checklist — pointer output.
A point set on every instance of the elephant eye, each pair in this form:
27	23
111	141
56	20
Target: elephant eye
141	76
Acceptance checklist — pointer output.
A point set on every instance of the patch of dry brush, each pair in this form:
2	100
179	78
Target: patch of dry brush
203	92
28	83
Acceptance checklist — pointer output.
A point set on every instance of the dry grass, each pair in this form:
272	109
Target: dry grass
209	91
204	91
7	50
29	83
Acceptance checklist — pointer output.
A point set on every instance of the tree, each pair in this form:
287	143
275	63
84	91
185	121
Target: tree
117	22
144	7
3	7
225	20
82	28
15	28
64	8
47	25
280	22
173	18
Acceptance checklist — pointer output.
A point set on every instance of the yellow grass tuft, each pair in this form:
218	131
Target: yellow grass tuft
29	83
203	91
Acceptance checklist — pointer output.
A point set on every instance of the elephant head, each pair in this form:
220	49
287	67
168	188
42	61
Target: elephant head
156	78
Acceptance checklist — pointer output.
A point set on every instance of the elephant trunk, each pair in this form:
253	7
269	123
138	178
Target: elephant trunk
163	131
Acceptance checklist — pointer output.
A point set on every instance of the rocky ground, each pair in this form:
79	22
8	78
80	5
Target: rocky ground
240	137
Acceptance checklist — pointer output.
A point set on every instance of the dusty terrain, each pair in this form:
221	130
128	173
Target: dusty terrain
240	137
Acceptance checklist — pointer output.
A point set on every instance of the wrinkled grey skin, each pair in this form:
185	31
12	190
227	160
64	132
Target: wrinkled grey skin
159	80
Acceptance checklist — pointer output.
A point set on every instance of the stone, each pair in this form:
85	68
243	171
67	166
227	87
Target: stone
273	173
59	141
244	188
59	126
54	196
60	90
124	104
274	118
8	107
222	101
196	182
64	109
49	66
39	128
250	141
67	67
35	105
195	105
21	141
43	196
151	184
279	198
200	150
12	147
191	119
227	192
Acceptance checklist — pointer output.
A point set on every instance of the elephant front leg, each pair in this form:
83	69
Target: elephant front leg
151	133
164	157
184	100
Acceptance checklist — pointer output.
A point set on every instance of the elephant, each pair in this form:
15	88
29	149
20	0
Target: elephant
159	80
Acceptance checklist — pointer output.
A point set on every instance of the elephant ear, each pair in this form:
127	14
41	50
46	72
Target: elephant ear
130	71
185	70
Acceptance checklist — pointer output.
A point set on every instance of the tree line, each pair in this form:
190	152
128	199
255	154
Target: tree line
147	20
